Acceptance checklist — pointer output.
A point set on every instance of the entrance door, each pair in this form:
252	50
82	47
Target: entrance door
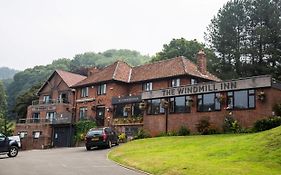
100	116
62	136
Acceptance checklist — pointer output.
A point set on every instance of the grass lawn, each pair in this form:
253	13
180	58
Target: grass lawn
249	154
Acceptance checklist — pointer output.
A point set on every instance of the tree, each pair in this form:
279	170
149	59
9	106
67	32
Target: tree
25	99
246	36
188	49
3	109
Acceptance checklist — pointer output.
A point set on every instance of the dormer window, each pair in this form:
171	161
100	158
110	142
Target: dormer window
85	92
193	81
147	86
175	82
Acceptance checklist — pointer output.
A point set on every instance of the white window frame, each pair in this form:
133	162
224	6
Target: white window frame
175	82
85	92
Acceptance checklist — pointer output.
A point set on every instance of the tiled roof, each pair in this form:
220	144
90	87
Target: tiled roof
121	71
168	68
69	78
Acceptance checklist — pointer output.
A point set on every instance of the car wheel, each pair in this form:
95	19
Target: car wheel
117	142
13	151
88	148
109	144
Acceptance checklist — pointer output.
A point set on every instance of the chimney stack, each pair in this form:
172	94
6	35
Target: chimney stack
92	71
202	62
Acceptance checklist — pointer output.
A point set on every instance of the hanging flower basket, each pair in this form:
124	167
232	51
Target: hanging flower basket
142	106
261	96
221	99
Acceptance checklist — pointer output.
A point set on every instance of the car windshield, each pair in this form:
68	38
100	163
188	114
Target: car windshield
94	132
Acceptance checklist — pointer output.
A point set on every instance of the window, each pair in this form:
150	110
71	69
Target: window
120	111
46	99
36	134
22	134
136	109
85	92
147	86
175	82
208	102
243	99
36	117
180	104
63	98
50	116
83	113
154	107
102	89
193	81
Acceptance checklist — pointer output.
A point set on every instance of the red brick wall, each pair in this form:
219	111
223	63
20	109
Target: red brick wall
29	142
155	124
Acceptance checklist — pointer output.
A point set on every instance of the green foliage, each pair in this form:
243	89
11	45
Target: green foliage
183	131
203	126
245	34
188	49
266	124
82	127
141	134
231	125
25	99
122	137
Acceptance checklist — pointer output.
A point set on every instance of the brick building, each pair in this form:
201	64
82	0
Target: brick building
158	97
112	96
50	118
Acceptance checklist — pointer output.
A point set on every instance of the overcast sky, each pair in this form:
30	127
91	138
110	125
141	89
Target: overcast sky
35	32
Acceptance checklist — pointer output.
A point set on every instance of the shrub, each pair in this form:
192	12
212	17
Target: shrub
122	138
183	131
82	127
266	124
231	125
141	134
203	126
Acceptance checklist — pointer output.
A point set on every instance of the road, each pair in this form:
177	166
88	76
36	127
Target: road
62	161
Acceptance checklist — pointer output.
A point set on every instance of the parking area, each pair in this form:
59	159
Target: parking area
62	161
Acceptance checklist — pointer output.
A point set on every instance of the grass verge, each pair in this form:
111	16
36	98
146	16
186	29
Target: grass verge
225	154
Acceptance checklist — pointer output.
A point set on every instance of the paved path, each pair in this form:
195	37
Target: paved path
62	161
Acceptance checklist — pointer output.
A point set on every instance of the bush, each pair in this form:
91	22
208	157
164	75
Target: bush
141	134
183	131
82	127
203	126
266	124
122	138
231	125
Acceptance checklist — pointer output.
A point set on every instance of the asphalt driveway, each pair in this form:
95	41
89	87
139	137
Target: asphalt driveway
63	161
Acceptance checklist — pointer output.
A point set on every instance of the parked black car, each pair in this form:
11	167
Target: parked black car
101	137
7	146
